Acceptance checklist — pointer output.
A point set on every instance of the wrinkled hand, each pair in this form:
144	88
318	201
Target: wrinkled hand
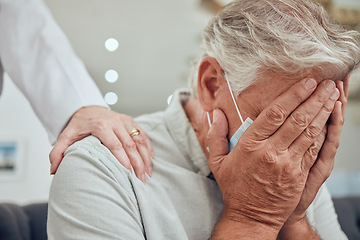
113	131
262	179
328	142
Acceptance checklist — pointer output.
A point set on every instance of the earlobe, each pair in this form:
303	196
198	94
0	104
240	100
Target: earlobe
210	75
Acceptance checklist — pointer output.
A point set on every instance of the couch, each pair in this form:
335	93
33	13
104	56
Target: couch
23	222
29	222
348	210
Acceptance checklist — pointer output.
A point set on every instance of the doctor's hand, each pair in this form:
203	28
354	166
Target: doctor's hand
262	179
113	130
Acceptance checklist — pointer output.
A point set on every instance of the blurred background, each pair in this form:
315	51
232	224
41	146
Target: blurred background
138	52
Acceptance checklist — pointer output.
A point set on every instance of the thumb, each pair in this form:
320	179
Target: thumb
57	153
217	139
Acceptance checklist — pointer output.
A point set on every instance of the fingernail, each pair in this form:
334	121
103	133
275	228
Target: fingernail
143	178
335	95
129	170
310	84
329	85
149	171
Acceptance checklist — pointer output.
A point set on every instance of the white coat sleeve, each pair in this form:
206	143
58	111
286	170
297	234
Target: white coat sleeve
40	60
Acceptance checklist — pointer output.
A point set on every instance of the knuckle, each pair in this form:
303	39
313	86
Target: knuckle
342	121
300	119
297	97
247	144
130	146
116	147
65	136
335	145
270	156
124	118
312	131
328	108
276	113
287	170
321	98
344	101
139	140
314	150
99	125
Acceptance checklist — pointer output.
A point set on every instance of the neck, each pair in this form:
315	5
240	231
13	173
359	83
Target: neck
199	122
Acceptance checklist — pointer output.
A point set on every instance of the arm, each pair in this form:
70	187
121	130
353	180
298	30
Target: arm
40	60
91	197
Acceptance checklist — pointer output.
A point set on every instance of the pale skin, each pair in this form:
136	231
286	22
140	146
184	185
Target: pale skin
275	171
113	131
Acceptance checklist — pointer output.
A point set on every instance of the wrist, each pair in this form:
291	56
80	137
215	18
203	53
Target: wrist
234	225
299	228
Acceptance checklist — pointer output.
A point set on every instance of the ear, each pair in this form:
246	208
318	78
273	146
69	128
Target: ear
210	76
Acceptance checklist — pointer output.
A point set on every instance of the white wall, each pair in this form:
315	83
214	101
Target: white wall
157	41
18	120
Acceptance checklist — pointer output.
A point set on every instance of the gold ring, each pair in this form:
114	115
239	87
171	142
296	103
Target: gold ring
134	132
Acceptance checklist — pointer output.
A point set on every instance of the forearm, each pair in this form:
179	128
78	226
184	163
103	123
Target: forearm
40	60
297	231
233	226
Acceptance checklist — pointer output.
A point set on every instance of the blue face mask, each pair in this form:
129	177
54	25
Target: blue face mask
245	124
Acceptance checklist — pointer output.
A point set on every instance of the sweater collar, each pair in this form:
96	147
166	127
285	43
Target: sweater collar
183	133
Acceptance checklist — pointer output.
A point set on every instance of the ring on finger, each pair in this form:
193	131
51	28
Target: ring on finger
134	132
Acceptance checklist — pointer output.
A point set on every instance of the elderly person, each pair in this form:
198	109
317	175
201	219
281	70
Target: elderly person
244	156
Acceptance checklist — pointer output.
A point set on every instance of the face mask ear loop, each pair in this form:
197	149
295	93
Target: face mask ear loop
233	98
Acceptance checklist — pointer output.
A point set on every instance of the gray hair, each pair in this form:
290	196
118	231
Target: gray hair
288	37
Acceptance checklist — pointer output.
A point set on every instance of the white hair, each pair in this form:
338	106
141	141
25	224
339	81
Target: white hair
288	37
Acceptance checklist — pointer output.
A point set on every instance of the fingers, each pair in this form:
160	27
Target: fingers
129	151
112	129
313	130
324	164
272	117
135	151
111	141
217	140
66	139
312	152
319	105
57	153
332	142
145	151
